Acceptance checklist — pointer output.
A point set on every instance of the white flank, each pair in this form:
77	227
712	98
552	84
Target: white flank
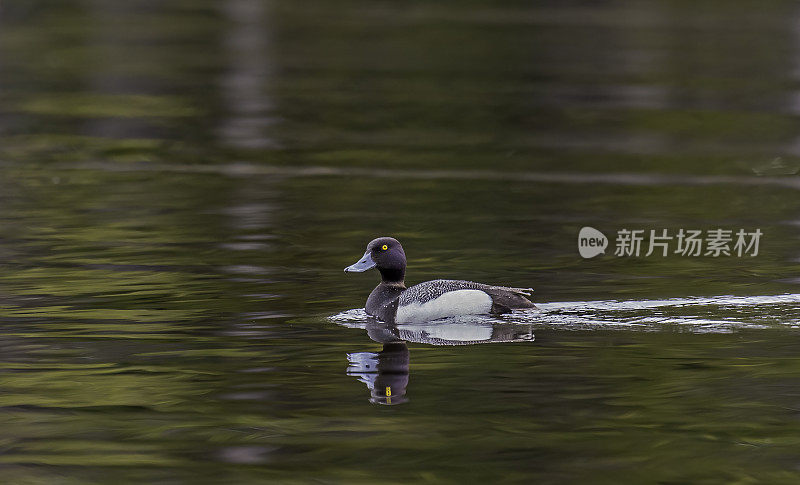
450	304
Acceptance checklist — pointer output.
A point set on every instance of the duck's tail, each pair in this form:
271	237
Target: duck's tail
505	299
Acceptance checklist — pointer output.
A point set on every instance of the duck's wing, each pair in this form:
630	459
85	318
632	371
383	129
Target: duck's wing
504	299
516	291
430	290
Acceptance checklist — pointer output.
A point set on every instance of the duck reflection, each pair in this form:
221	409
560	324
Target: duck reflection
386	373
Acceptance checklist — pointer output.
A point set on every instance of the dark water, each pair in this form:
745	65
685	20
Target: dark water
182	182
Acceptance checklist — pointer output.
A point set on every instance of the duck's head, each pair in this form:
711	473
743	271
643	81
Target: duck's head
386	254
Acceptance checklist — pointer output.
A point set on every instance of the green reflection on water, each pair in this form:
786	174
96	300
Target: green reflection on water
135	106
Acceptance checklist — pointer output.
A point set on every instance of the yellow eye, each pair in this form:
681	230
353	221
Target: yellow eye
384	247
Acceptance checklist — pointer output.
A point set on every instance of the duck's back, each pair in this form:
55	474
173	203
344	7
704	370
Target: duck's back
446	298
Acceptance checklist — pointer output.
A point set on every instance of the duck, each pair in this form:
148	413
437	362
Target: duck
392	302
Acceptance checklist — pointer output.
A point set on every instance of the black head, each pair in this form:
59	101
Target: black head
386	254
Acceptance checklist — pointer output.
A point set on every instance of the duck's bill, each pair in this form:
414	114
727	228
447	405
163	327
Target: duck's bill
362	265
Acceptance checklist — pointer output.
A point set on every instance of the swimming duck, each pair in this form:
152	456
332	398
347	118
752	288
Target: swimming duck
392	302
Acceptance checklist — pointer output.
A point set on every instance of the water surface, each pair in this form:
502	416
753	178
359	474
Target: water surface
182	182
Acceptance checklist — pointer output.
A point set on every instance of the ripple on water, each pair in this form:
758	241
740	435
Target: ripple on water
714	314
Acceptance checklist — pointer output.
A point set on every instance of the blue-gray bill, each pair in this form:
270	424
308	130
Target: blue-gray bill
362	265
